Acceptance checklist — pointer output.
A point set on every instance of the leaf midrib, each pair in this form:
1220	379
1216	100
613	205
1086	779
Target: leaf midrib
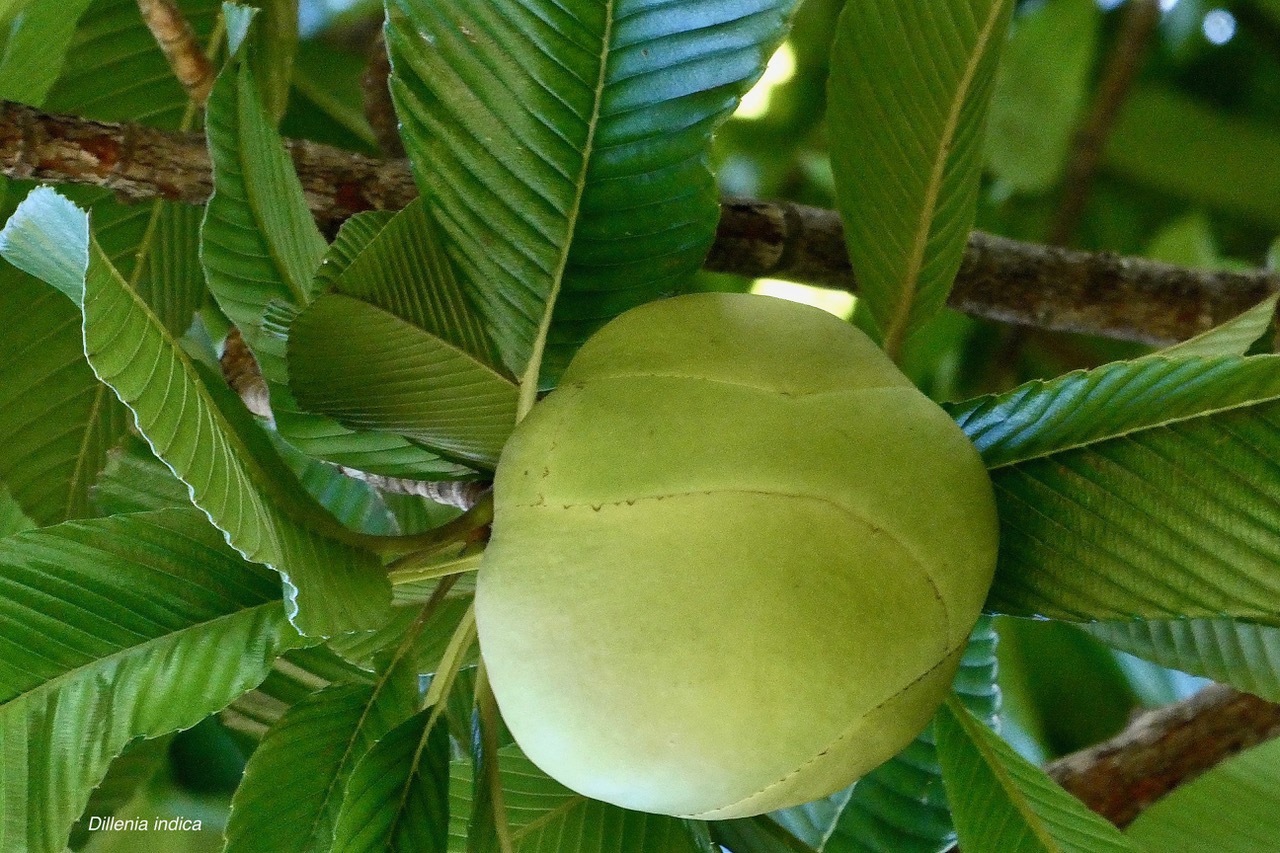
911	280
529	379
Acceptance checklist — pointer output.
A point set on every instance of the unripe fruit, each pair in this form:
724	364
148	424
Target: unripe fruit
735	559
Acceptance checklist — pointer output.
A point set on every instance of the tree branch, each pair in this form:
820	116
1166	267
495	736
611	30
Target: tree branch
1023	283
1164	748
181	49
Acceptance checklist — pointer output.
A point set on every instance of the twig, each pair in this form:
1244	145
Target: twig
1024	283
181	49
1165	748
1136	30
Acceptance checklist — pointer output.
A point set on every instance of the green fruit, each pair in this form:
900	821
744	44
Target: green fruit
735	559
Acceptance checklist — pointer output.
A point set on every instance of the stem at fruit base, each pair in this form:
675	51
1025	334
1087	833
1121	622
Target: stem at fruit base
490	810
450	664
417	548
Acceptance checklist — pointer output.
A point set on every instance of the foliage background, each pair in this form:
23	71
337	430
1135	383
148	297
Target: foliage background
1207	199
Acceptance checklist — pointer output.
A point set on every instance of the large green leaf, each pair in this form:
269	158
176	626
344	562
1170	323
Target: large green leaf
908	96
370	369
546	817
118	628
128	774
1230	809
1135	490
330	586
57	421
397	347
312	751
1002	802
563	149
260	246
1243	654
901	807
397	800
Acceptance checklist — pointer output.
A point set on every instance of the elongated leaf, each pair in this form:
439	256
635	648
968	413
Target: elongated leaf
901	806
909	91
312	751
1036	105
57	421
1233	337
12	518
1230	809
398	797
260	246
1002	802
547	817
330	587
1134	490
1086	407
563	148
120	628
430	374
35	48
1243	654
372	370
759	834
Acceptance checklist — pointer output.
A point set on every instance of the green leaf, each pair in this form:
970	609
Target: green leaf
57	421
1035	104
908	96
260	246
328	103
1073	691
35	48
135	480
1233	337
1002	802
547	817
1172	143
115	71
369	369
259	240
397	348
330	586
12	518
1133	491
901	807
275	43
1243	654
759	834
119	628
398	797
128	774
1124	398
312	751
563	149
1230	809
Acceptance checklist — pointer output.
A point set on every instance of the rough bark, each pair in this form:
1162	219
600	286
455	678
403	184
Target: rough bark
1001	279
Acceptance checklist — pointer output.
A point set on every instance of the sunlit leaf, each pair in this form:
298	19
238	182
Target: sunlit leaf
122	628
563	148
908	98
330	586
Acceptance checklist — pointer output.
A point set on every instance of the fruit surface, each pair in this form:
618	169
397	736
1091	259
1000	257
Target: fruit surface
735	559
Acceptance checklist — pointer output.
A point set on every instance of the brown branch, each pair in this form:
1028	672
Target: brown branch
1165	748
1137	28
181	49
1001	279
